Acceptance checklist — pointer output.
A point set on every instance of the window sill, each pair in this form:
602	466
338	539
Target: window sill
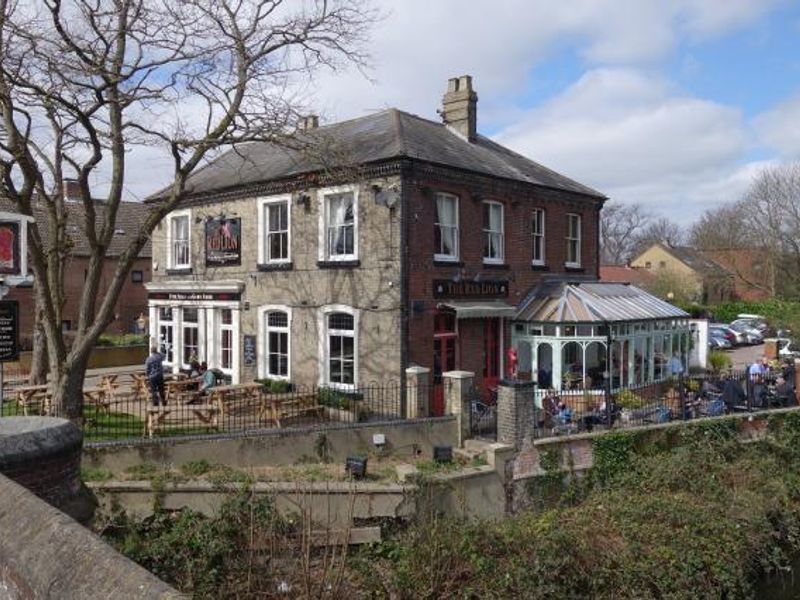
338	264
447	263
180	271
282	266
538	267
498	266
574	269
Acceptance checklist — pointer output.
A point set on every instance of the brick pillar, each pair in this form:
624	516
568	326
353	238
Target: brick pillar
515	411
457	385
418	391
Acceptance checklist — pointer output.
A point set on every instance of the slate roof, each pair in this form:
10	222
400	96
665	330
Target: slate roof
566	302
697	261
380	136
129	217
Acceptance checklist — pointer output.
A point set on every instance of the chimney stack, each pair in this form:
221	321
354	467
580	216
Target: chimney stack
460	107
308	122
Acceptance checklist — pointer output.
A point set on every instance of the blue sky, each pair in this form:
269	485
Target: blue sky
673	104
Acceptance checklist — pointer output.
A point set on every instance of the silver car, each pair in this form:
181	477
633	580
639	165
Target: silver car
751	336
734	337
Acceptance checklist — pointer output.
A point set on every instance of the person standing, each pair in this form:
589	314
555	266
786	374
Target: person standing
757	375
154	371
675	365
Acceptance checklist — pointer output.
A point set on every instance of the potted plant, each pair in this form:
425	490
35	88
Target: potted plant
340	405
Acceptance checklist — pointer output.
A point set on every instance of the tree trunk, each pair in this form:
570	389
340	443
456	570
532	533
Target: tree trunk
67	392
38	373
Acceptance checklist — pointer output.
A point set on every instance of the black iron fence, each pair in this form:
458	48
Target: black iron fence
122	407
677	399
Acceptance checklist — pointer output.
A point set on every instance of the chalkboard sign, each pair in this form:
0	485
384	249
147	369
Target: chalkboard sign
9	331
249	351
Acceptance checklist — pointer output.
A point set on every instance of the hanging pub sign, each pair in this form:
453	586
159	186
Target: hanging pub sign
446	288
223	242
9	248
9	330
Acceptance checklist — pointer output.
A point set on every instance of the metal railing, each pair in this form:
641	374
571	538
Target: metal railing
123	408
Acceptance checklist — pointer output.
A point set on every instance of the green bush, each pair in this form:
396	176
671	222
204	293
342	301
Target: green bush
338	399
628	399
718	361
125	339
275	386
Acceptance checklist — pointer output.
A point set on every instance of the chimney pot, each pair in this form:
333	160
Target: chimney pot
309	122
460	107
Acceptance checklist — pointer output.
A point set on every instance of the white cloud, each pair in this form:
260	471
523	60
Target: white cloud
779	128
622	130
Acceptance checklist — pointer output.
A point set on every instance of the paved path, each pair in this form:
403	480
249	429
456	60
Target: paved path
744	356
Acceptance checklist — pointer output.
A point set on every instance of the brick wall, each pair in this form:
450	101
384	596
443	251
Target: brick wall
518	201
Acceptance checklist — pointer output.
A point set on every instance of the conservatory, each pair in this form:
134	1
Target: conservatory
572	336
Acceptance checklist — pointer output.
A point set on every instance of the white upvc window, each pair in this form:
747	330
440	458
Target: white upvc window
339	346
179	242
166	334
493	241
191	336
446	232
537	229
276	342
339	224
573	240
275	230
226	339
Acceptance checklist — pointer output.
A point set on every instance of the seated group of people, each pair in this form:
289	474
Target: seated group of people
557	413
208	377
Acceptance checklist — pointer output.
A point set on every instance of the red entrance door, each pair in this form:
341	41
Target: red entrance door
491	358
444	357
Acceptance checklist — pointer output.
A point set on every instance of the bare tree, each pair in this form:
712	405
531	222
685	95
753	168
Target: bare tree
84	82
620	226
722	228
660	230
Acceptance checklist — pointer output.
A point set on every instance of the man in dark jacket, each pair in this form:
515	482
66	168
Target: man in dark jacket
732	394
154	371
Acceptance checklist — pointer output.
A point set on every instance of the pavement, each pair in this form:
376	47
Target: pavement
744	356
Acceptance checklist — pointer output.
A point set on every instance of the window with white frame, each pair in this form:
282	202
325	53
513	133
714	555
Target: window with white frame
341	235
191	338
446	228
226	339
493	251
275	230
340	348
276	324
573	240
537	228
178	241
166	334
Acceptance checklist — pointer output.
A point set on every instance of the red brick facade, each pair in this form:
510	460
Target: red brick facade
518	203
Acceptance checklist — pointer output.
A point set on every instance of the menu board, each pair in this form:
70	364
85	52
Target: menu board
9	330
249	350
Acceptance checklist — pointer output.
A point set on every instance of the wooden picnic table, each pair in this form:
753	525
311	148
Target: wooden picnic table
207	414
97	397
221	395
29	395
182	390
275	407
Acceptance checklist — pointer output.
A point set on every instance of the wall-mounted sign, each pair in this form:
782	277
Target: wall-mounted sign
195	296
9	248
249	350
223	242
445	288
9	330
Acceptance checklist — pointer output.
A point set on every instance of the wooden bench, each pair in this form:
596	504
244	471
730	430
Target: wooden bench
97	397
275	407
207	414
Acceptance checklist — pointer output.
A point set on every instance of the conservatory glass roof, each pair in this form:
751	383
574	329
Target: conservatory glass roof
559	302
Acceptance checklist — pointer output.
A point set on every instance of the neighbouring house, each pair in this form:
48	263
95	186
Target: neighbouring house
751	268
369	246
132	302
638	276
681	272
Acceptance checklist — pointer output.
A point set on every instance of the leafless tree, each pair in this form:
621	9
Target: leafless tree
620	226
722	228
84	82
661	230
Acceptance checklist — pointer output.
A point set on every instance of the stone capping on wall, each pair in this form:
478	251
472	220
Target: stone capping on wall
45	554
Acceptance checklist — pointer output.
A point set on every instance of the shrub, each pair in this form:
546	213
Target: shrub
718	361
335	398
275	386
628	399
126	339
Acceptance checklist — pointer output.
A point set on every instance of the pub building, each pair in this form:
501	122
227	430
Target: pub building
413	243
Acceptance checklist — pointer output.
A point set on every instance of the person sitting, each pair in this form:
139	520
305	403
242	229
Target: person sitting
732	394
194	369
598	416
549	409
784	392
564	415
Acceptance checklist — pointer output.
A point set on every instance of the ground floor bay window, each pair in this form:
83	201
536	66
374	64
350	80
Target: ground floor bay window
191	325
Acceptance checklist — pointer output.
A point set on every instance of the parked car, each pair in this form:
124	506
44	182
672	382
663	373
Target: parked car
720	329
751	336
787	348
759	325
718	343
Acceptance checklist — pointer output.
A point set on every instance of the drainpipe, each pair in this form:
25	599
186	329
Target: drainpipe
609	373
